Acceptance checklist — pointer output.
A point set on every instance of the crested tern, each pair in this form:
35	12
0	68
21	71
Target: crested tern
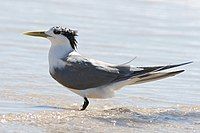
91	78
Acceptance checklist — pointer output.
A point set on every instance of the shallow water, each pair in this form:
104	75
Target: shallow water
155	31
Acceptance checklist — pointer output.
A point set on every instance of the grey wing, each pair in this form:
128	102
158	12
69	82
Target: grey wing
81	73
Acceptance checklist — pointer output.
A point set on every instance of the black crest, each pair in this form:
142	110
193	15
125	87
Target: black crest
70	34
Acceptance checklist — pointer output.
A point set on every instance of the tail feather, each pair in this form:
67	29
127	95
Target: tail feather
147	74
161	68
155	76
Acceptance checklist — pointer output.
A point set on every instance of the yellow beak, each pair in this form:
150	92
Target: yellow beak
37	33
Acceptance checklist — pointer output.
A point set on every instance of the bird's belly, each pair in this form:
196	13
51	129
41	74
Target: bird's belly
99	92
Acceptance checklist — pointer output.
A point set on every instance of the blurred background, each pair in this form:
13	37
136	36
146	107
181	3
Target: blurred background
157	32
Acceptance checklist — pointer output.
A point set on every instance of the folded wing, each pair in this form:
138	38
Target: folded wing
81	73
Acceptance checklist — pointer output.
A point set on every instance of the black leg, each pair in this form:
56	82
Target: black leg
86	103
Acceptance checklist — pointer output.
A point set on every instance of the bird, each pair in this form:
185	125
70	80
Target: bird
92	78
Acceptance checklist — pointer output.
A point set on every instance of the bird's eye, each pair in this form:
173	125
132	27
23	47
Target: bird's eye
55	31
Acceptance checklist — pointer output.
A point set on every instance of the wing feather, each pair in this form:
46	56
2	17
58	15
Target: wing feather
82	73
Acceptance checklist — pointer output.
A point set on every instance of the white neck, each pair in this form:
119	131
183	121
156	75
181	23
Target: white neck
56	53
59	51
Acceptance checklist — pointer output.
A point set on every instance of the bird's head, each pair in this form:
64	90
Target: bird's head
57	35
